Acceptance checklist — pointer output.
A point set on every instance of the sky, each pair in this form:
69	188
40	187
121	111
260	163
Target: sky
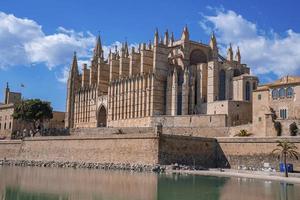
38	38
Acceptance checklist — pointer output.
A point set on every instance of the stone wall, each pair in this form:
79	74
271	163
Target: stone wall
198	121
194	151
131	148
253	152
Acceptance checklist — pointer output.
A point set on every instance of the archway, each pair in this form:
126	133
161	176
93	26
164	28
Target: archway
102	117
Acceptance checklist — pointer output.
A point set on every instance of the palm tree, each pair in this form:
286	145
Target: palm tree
285	149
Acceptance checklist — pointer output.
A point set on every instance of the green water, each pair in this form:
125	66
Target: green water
25	183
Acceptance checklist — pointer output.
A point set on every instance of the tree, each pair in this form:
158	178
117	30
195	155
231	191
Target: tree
293	129
33	111
286	149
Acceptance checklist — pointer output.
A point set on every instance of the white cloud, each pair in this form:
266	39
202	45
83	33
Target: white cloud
264	51
22	42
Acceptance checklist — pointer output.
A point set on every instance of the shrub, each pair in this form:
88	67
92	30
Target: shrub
243	133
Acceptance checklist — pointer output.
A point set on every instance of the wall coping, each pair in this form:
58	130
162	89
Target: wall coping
295	139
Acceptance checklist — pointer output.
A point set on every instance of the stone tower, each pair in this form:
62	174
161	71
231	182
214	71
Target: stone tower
6	92
72	85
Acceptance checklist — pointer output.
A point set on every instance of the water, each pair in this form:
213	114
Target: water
25	183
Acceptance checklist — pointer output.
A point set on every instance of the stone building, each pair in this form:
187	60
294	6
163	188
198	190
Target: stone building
160	82
8	124
277	101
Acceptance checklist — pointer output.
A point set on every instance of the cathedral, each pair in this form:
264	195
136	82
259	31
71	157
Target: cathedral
176	82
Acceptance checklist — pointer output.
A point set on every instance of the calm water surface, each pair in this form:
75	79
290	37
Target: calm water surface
24	183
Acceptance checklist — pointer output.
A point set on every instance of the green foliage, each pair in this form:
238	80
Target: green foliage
286	149
293	129
278	128
243	133
33	111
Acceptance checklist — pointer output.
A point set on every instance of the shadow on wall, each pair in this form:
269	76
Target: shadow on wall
191	151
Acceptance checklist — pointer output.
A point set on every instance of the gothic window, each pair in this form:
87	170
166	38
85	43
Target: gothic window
275	94
9	125
283	113
247	91
289	92
281	92
222	85
4	126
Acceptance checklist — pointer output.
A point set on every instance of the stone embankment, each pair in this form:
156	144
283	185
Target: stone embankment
82	165
104	166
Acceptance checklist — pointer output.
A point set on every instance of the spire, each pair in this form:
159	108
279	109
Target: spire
238	55
213	41
185	34
229	53
74	67
126	49
172	39
149	45
98	48
166	38
7	87
156	37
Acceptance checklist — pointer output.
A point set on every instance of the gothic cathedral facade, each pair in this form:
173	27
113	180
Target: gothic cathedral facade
166	79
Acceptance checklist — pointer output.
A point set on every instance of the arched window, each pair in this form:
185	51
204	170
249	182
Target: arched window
4	126
281	93
9	125
275	94
222	85
289	92
254	86
247	91
0	126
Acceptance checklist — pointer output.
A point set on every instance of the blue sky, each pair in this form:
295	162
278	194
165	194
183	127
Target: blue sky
37	37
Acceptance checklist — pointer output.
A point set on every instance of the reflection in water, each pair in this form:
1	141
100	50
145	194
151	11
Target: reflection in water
26	183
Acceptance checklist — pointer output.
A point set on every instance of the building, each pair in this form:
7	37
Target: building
8	124
276	102
164	81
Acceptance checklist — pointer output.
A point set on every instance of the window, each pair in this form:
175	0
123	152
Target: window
259	97
9	125
247	91
275	94
254	86
289	92
0	126
281	93
259	119
4	126
283	113
222	85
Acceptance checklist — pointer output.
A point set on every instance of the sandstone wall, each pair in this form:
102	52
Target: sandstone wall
198	121
253	152
187	150
131	148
